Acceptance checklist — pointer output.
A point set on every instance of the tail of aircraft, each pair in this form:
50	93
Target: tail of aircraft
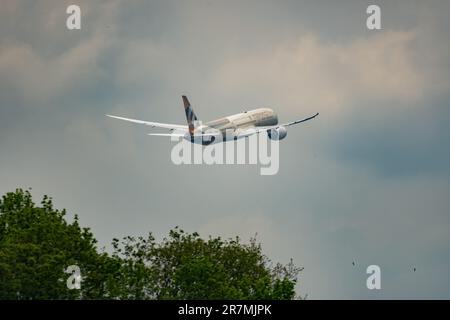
190	115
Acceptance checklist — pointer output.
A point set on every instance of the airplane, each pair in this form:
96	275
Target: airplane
237	126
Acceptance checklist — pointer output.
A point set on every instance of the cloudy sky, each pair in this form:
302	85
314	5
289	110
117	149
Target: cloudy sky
368	181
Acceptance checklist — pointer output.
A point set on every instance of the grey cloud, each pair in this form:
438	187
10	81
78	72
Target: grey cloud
410	140
366	181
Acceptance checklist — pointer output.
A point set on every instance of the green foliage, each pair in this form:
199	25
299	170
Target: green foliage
37	244
185	266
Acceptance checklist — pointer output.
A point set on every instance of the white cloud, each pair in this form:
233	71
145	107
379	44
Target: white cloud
311	73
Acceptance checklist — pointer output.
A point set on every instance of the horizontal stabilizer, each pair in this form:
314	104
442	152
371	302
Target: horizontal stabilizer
166	134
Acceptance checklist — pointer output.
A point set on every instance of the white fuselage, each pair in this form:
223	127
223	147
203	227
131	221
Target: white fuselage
232	127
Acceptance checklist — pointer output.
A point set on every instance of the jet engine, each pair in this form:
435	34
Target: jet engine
278	133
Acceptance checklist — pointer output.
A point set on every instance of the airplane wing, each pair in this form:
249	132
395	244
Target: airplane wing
153	124
251	131
298	121
178	134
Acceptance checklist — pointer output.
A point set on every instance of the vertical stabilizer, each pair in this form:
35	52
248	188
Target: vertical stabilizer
190	115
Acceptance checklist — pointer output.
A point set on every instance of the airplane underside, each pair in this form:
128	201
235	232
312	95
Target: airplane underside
207	140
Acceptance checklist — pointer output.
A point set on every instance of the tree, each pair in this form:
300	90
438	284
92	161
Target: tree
184	266
37	245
